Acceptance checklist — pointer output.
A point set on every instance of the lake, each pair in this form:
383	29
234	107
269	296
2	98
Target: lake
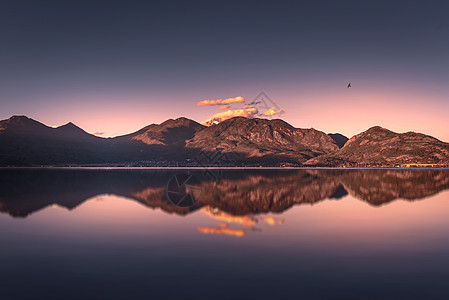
223	234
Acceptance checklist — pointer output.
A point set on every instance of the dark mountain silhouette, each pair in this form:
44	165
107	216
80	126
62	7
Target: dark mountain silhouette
24	141
381	147
23	125
156	143
237	141
71	131
340	139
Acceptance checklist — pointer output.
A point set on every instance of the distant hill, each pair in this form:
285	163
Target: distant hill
340	139
381	147
24	141
169	133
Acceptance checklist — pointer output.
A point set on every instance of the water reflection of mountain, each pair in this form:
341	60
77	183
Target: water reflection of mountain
237	192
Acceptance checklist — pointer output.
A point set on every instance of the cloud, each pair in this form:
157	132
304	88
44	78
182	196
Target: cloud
97	133
224	107
272	220
217	118
222	216
272	111
223	229
221	101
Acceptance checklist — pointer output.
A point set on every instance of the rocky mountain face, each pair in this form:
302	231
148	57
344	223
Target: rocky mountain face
169	133
381	147
265	139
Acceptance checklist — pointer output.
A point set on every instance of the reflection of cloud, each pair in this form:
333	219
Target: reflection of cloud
225	219
272	220
222	216
224	107
217	118
221	102
248	106
272	111
223	229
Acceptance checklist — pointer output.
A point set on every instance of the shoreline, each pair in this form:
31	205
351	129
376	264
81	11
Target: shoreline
218	168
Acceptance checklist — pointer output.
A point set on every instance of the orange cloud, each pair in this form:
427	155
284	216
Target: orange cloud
273	221
224	107
221	101
223	229
222	216
97	133
217	118
272	111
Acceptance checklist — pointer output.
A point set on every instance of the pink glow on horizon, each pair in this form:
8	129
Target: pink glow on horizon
346	111
350	114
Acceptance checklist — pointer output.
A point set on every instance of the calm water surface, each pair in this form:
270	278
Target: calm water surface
257	234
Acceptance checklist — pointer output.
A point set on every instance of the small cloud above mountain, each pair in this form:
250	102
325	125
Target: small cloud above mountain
221	101
262	107
272	112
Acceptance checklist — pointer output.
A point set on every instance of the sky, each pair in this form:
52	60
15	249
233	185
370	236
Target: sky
113	67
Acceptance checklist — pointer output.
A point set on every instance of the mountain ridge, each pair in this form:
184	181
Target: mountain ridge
379	146
262	137
246	141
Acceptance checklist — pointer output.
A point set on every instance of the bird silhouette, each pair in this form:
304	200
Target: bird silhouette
349	85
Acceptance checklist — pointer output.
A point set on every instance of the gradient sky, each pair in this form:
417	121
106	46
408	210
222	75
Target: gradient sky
116	66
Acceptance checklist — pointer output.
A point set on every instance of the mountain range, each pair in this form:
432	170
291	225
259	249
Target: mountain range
237	141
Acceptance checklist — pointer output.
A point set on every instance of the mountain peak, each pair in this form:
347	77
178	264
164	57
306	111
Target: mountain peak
172	132
254	121
181	121
265	139
377	129
70	125
19	117
379	146
72	130
22	124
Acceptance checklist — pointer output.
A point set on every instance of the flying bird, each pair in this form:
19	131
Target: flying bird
349	85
